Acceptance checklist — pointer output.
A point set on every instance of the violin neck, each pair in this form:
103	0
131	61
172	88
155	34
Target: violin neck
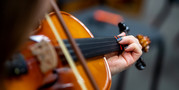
92	47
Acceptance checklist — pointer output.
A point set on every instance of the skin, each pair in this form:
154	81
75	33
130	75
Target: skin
24	25
131	54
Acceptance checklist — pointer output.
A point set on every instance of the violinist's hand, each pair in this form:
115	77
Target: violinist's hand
131	54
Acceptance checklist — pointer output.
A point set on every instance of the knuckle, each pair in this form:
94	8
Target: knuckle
140	52
135	45
140	46
133	39
131	36
136	39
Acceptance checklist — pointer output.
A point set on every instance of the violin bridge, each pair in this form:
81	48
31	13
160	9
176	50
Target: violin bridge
45	54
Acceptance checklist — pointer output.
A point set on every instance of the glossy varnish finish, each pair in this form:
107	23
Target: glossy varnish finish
66	80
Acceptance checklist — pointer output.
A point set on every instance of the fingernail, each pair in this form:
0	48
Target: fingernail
119	39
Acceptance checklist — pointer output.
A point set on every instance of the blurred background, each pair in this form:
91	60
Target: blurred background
158	19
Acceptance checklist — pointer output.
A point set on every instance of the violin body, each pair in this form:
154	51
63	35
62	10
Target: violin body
64	77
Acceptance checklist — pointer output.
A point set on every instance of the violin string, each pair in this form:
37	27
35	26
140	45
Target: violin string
66	53
74	46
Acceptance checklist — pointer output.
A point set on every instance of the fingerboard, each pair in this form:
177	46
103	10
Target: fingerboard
92	47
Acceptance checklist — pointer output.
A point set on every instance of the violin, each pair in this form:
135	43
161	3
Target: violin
44	63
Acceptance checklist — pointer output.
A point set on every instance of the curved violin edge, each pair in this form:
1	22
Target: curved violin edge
35	78
96	62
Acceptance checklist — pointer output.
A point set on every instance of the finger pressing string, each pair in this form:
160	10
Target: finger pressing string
129	40
122	34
